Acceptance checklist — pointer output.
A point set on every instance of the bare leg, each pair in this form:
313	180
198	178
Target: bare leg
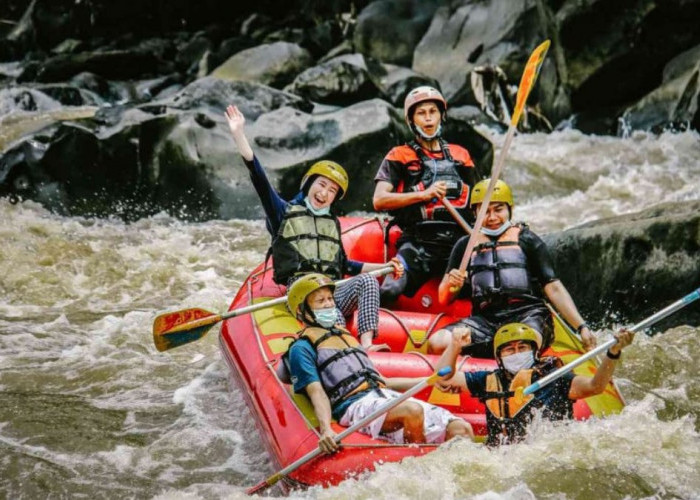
409	416
458	427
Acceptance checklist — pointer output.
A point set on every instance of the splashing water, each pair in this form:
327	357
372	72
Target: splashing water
90	408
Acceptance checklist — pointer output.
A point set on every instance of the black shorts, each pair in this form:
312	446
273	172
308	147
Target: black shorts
484	327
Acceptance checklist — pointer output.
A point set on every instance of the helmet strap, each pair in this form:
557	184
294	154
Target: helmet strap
495	233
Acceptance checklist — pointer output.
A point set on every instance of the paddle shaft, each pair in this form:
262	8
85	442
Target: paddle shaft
646	323
355	427
495	174
455	215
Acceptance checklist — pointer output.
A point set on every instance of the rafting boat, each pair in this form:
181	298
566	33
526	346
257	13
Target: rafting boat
253	344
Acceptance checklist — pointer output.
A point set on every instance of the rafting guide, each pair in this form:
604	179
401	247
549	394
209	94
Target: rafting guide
306	234
411	183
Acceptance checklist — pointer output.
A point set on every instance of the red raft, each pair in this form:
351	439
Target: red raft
253	344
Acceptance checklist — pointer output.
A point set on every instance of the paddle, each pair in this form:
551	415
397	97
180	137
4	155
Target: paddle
455	215
654	318
178	328
527	81
357	426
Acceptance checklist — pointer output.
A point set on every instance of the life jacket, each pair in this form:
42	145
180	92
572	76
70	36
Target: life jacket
506	418
343	366
498	268
307	243
431	219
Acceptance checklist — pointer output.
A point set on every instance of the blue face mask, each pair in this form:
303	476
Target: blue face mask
326	317
316	211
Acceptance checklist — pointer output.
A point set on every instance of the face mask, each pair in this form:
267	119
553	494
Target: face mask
425	136
326	317
519	361
495	233
316	211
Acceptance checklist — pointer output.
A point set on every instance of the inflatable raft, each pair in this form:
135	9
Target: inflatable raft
253	344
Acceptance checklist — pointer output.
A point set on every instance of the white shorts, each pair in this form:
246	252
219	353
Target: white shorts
435	419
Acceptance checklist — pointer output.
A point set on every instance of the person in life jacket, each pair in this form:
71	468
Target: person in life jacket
411	184
509	273
515	348
306	234
327	363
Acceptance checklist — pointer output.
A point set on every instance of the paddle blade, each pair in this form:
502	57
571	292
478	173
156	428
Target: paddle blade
182	327
532	70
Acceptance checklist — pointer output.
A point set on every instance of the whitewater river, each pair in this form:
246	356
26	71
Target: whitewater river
90	409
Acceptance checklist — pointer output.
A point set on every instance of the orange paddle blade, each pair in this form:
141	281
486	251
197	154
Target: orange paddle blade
181	327
532	70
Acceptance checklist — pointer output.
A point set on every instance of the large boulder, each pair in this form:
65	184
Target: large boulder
396	82
212	95
630	266
174	155
273	64
622	59
470	34
389	30
341	81
674	104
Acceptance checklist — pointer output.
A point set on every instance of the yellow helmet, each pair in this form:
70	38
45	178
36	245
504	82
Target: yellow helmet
515	331
303	287
501	193
329	169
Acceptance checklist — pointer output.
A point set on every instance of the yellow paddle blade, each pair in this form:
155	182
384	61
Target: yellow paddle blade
532	70
182	327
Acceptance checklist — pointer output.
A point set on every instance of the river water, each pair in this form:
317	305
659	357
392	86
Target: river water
89	408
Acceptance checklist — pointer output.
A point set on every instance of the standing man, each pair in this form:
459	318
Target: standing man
411	183
516	347
328	364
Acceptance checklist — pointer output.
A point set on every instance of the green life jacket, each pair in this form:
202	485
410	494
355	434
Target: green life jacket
307	243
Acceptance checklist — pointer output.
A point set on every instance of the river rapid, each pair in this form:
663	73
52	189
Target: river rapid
90	409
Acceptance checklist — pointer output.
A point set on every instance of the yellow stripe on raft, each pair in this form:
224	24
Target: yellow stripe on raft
568	347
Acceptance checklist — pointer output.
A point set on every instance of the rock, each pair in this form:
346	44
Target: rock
273	64
674	104
113	64
622	60
213	95
630	266
389	30
341	81
473	33
398	81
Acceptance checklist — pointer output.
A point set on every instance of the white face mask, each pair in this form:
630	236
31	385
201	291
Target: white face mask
326	317
519	361
316	211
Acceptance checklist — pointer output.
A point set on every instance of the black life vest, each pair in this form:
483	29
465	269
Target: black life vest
508	414
307	243
343	365
431	219
498	268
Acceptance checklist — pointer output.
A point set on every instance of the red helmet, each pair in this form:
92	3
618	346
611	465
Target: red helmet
422	94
